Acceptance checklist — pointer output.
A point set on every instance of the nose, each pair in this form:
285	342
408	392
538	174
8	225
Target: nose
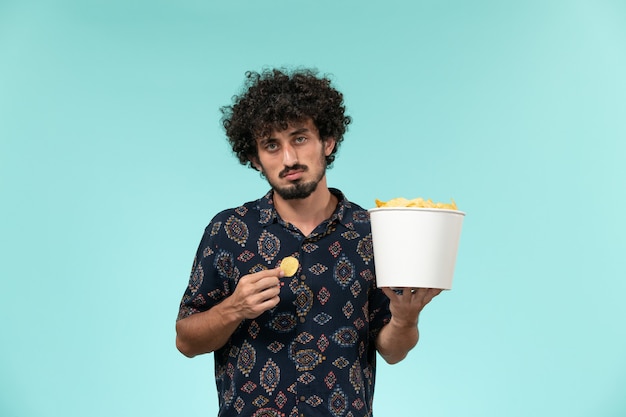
290	156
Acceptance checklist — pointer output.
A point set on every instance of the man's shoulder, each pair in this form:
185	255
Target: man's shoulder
245	210
354	206
354	214
343	199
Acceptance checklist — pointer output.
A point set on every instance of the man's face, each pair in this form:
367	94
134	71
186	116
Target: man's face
294	160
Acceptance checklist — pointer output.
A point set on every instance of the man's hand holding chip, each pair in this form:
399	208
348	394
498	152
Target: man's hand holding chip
259	292
256	293
210	330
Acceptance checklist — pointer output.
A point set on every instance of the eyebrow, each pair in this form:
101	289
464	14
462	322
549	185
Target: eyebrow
298	131
293	133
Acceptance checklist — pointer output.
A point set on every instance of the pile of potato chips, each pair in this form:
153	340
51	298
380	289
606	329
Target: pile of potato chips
416	202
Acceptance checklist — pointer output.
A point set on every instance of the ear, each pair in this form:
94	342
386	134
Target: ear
254	161
329	145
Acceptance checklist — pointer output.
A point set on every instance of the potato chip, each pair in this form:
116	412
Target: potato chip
289	265
394	202
416	202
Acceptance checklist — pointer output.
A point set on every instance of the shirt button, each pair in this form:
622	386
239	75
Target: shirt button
302	319
302	277
302	398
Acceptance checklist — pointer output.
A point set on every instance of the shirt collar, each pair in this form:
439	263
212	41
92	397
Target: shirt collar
342	214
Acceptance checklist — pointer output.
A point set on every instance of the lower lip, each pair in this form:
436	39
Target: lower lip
293	176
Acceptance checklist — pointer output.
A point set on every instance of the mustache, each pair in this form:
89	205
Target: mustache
296	167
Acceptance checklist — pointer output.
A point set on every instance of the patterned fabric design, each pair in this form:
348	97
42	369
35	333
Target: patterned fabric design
196	279
215	228
268	246
283	322
246	359
338	402
313	354
270	376
306	359
356	377
344	271
304	300
254	329
365	249
236	230
224	265
322	318
268	412
345	337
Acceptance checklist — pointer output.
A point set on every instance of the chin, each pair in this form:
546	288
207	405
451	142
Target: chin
298	191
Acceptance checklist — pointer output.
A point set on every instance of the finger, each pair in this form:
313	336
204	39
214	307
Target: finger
252	289
435	292
268	293
432	292
274	272
269	303
425	295
258	277
258	308
409	291
400	291
267	283
390	293
258	298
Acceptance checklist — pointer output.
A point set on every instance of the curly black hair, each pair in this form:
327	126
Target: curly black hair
276	97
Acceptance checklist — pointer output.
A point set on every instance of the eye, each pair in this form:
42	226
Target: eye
300	139
271	146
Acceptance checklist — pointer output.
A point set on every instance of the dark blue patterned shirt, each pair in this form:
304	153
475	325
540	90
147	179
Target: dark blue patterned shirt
314	353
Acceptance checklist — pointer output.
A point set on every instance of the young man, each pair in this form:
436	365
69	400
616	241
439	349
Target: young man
303	345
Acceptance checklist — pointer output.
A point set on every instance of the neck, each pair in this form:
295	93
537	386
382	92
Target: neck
307	213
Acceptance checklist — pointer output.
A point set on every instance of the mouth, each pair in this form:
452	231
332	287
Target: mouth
293	174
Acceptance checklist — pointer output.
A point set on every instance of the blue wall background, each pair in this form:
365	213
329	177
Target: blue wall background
112	161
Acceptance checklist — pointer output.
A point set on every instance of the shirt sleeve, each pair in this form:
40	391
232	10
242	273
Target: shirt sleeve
207	286
379	312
